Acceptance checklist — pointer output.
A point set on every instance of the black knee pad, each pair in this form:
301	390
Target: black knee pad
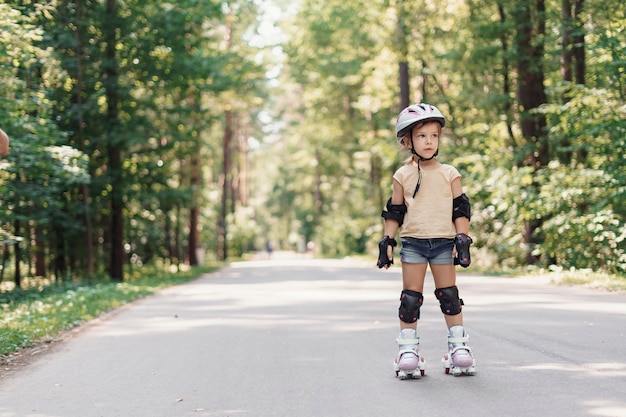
449	300
410	303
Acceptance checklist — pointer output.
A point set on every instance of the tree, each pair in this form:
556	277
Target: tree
41	171
185	146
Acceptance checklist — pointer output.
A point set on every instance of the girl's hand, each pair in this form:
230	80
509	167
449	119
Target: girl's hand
385	252
462	244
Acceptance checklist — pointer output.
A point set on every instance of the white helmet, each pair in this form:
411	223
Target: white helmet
417	113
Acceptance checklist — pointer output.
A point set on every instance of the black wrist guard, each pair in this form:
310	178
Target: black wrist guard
462	243
383	258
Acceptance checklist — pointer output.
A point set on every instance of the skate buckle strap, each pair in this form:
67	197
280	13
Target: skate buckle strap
467	348
461	339
415	341
411	351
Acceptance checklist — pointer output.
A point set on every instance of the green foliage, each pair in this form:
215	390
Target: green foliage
581	229
499	199
313	156
340	154
584	225
245	235
96	137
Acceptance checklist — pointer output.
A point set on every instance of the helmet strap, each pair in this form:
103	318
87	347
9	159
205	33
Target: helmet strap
419	177
419	168
421	158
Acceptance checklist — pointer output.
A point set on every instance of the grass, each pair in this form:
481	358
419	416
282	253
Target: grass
36	315
587	278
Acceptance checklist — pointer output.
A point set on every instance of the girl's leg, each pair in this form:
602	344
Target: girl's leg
409	363
412	280
459	358
445	276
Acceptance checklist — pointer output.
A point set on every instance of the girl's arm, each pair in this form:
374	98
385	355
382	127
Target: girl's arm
462	241
460	223
391	226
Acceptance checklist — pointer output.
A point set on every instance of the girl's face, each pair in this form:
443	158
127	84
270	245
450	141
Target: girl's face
425	138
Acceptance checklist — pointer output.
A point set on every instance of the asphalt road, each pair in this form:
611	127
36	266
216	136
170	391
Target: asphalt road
304	338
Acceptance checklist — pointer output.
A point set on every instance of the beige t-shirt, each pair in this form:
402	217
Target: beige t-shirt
429	215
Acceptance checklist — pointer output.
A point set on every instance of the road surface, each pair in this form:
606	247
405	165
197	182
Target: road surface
304	338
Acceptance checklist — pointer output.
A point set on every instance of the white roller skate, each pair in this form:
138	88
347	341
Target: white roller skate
409	363
459	359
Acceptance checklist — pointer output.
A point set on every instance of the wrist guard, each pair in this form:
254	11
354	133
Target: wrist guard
462	243
383	258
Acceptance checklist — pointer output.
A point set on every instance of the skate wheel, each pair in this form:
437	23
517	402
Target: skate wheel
447	371
422	372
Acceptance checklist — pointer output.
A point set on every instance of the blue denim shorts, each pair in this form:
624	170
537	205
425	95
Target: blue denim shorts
422	251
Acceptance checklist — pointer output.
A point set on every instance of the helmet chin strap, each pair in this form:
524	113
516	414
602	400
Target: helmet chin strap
421	158
419	169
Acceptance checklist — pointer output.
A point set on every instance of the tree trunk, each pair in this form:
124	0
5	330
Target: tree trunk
177	236
243	192
403	52
579	43
319	195
84	189
5	258
167	231
222	246
404	85
17	276
193	235
196	186
506	82
564	153
60	258
531	90
531	94
116	266
40	253
566	47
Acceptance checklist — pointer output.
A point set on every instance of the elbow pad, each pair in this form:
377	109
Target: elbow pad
461	207
394	212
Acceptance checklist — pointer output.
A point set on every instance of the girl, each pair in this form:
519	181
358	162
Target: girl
429	203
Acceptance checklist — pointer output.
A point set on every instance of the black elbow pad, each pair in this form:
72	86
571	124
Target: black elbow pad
394	212
461	207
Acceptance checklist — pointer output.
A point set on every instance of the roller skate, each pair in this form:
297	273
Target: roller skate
409	363
459	359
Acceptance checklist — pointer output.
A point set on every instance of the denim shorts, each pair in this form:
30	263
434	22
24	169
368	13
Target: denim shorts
422	251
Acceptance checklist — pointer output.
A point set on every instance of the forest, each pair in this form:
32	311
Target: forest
172	133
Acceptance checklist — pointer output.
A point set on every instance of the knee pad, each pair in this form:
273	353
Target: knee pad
449	300
410	303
